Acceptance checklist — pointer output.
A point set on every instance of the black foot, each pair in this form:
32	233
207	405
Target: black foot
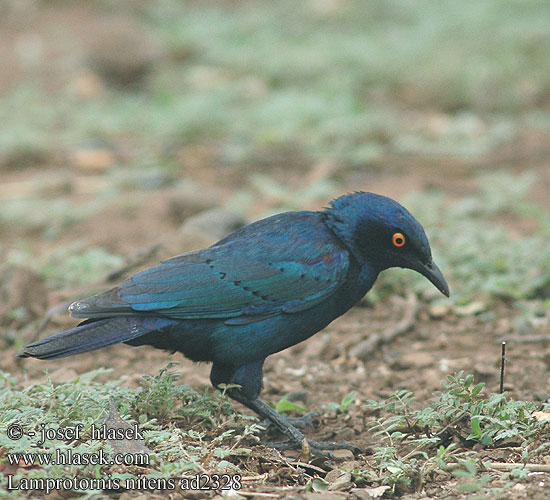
298	422
297	440
316	448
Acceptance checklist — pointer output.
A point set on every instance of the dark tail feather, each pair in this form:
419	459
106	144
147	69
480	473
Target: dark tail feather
91	335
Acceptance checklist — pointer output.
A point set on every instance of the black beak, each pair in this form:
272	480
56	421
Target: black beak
434	274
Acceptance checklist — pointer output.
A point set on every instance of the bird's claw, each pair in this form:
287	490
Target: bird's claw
303	421
298	422
316	448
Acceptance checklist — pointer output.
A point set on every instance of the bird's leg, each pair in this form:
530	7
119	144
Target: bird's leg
296	437
249	378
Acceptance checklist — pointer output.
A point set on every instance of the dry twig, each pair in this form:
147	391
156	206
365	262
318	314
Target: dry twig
364	349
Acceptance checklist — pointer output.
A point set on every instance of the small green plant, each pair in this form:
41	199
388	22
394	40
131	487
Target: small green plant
317	484
187	430
285	405
472	483
157	397
416	443
343	406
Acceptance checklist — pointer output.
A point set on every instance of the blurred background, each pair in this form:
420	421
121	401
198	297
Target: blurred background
136	130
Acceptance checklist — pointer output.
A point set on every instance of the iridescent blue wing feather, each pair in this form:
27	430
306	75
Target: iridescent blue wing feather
293	264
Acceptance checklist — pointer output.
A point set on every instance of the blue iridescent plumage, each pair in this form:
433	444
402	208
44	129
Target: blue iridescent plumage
263	288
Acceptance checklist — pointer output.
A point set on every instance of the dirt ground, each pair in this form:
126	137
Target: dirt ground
145	226
323	369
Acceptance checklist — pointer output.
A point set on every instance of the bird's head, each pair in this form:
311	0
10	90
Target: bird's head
382	233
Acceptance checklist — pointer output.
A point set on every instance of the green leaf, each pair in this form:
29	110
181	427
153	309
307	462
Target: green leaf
471	467
348	400
394	470
486	440
476	428
477	389
285	405
317	484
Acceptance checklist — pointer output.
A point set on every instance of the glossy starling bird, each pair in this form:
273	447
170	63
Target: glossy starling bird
262	289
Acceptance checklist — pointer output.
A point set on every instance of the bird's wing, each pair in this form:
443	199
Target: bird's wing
241	278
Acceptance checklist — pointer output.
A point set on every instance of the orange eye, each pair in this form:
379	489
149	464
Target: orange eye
398	239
